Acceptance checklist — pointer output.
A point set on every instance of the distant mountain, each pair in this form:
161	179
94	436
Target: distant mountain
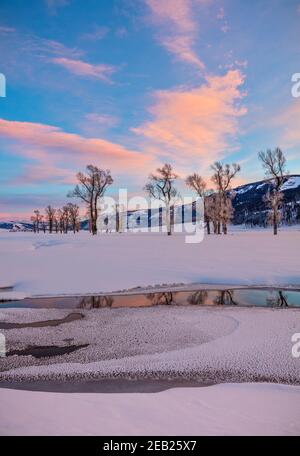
250	208
248	203
15	225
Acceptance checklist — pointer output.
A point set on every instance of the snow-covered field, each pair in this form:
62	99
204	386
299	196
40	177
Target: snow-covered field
228	409
61	264
210	344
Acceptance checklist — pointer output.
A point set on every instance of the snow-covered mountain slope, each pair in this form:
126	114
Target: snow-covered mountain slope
249	202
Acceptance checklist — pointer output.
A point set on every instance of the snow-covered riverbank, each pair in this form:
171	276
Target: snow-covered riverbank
231	409
46	264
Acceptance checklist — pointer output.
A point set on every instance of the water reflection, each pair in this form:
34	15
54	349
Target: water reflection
279	300
255	297
198	297
95	302
164	298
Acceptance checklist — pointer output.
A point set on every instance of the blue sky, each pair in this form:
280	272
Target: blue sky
130	84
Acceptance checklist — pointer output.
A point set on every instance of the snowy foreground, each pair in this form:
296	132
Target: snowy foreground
200	343
207	344
57	264
239	409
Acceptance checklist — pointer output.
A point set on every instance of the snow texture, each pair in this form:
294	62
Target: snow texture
45	264
244	409
208	344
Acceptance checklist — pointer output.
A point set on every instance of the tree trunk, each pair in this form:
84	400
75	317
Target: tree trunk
208	226
168	220
274	224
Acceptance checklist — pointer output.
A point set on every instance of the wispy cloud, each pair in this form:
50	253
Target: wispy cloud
80	68
94	123
178	36
5	30
54	153
101	119
194	127
287	126
97	33
53	5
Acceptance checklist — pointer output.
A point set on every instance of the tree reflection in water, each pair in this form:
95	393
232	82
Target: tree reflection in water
280	300
198	298
164	298
225	298
95	302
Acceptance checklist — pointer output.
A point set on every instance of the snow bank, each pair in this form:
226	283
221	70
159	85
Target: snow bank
61	264
245	409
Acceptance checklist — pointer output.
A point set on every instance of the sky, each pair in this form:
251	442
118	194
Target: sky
128	85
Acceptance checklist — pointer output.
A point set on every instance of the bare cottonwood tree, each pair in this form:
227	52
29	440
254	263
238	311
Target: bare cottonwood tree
61	220
66	218
274	201
198	184
73	210
92	186
274	163
222	178
161	187
50	215
37	220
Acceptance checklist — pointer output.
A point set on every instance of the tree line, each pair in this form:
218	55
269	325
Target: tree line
57	220
161	185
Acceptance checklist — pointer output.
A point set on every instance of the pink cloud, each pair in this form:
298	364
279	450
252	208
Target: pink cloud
56	153
80	68
194	127
287	125
101	119
179	36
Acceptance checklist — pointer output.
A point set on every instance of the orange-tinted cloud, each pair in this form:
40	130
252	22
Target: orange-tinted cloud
179	35
287	125
80	68
194	127
55	152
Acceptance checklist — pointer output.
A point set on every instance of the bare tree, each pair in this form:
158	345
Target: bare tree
92	186
274	163
61	220
56	223
161	187
222	178
274	201
36	219
50	215
66	218
197	183
73	211
213	211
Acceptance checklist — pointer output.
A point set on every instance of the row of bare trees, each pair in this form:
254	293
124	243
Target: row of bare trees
57	220
218	208
161	185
